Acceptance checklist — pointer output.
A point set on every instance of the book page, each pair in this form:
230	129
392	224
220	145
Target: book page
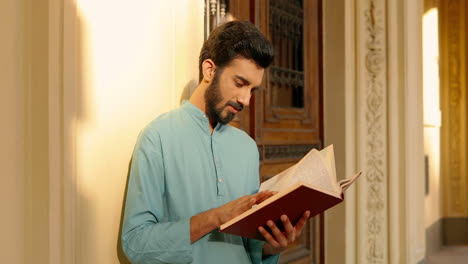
278	182
314	169
344	184
328	156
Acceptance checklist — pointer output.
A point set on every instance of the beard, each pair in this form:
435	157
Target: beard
213	98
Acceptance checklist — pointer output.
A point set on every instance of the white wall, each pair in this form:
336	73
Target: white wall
134	59
432	123
433	206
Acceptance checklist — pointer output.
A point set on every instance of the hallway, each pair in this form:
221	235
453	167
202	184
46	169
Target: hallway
452	255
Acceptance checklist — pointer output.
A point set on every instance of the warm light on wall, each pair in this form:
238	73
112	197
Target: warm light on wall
134	58
432	116
126	52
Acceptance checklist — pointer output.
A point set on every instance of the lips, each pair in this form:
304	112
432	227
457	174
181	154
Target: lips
235	107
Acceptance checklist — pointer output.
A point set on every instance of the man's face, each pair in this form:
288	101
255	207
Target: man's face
231	89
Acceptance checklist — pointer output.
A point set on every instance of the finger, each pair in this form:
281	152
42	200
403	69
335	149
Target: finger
268	237
251	201
300	224
261	196
283	241
264	198
242	204
288	228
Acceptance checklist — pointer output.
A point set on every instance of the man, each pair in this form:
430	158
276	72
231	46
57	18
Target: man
191	172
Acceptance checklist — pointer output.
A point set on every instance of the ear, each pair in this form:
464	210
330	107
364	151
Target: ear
209	69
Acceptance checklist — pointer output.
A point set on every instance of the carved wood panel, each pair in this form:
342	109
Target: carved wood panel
287	119
296	123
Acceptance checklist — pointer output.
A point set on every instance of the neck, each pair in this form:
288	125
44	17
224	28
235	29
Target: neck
198	99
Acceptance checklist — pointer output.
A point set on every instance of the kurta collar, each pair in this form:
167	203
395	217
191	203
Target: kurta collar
200	117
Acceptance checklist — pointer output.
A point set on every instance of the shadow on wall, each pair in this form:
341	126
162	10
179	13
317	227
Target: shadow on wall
186	93
120	254
188	90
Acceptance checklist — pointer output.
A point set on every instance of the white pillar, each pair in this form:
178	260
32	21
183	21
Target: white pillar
384	213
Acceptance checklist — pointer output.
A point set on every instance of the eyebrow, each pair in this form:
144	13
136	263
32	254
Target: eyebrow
245	81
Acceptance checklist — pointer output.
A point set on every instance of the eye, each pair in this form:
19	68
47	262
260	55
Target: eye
239	85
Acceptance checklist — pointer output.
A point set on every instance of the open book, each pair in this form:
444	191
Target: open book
310	184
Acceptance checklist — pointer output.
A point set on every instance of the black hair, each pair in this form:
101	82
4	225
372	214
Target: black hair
236	39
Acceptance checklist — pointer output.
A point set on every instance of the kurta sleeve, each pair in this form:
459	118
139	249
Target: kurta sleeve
147	235
255	251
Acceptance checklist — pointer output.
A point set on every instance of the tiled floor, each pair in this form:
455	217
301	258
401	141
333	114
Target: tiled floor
450	255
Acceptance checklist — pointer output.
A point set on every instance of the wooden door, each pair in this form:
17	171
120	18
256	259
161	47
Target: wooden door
285	117
288	109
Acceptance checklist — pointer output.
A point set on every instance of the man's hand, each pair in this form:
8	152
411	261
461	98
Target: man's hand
205	222
234	208
278	241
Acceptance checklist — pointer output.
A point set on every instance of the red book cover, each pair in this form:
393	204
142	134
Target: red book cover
292	202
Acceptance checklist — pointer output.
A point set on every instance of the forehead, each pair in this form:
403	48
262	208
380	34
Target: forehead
246	69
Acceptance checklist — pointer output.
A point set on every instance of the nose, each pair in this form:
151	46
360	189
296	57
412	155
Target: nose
244	97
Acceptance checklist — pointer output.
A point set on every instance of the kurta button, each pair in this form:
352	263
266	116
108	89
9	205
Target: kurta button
220	180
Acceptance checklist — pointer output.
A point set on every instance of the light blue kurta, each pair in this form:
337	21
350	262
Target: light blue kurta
180	169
